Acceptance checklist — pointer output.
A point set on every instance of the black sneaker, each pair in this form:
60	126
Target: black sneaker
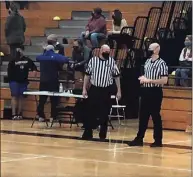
20	117
156	144
14	117
136	142
87	135
103	133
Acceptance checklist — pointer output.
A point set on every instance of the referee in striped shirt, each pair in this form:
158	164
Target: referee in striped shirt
100	73
155	76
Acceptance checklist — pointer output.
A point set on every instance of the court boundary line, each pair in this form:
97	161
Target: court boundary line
21	159
108	162
93	149
93	140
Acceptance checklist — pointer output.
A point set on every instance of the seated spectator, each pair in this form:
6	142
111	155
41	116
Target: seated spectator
118	23
80	55
49	67
185	60
96	28
64	40
18	70
14	29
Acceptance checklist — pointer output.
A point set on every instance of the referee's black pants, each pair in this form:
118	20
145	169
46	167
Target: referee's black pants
151	100
98	108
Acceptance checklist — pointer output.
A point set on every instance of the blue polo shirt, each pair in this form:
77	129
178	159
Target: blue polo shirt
50	63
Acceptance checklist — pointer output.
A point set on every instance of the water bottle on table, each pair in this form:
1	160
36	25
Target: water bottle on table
61	89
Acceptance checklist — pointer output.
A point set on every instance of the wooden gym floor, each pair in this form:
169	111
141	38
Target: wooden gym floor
59	152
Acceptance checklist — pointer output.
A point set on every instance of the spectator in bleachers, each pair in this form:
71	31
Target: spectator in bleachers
185	60
96	28
80	55
18	70
14	29
118	23
52	39
49	67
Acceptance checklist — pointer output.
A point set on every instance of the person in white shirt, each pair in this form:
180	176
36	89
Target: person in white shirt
185	60
118	23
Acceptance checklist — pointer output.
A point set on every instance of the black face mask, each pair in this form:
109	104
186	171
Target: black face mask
113	16
92	14
105	55
18	54
9	12
150	53
77	48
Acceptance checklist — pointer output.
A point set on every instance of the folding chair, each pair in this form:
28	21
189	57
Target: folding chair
117	107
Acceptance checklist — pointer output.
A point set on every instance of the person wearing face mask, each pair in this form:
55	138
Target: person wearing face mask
80	55
14	29
155	76
118	23
185	60
18	70
50	63
95	29
100	73
52	39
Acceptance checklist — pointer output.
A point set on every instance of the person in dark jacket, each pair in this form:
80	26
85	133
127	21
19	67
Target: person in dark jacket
49	66
80	55
96	28
18	70
14	29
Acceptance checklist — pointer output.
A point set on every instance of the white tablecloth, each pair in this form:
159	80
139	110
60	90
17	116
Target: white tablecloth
46	93
63	94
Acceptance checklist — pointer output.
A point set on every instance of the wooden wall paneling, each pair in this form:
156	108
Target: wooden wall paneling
170	125
135	7
177	93
41	14
1	105
1	115
177	104
175	116
5	94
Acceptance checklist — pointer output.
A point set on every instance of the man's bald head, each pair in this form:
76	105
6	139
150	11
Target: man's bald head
155	47
104	51
105	48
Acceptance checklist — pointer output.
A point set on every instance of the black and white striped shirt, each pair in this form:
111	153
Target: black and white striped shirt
102	71
155	70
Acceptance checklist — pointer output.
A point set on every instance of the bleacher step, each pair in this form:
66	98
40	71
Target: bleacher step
73	23
68	32
85	15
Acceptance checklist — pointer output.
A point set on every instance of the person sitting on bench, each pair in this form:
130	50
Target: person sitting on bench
185	61
95	29
115	35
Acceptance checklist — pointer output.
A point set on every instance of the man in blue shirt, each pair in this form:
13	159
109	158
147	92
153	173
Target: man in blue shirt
50	64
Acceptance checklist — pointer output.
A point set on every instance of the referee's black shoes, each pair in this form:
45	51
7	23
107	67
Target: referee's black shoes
136	142
139	142
87	135
156	144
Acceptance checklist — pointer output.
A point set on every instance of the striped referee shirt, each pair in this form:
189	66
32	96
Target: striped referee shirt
102	71
155	70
